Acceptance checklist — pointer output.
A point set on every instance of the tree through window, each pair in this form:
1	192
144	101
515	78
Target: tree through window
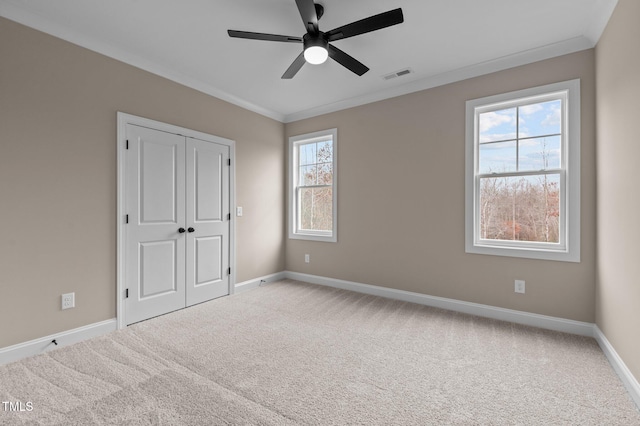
315	186
519	165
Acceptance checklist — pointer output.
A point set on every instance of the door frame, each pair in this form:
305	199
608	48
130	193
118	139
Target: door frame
123	119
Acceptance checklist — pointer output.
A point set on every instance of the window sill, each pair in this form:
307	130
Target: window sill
313	237
525	252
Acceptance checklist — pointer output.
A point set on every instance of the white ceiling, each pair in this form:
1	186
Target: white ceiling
441	41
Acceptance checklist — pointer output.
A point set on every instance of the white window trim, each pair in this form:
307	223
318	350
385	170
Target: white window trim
570	252
293	177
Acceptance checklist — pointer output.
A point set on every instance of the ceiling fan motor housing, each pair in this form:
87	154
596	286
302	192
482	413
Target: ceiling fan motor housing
310	40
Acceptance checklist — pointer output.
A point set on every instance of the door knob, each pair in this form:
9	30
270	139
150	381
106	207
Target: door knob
181	230
191	230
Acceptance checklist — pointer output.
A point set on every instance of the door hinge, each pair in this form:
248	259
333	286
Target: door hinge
126	294
229	271
228	216
229	162
126	219
127	143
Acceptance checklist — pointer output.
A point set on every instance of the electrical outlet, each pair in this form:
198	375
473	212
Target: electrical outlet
238	211
519	286
68	300
307	258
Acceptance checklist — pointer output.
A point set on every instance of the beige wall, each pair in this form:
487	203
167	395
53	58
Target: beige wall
401	199
618	112
58	106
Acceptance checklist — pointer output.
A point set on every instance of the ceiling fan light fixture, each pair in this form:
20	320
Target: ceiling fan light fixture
315	48
316	55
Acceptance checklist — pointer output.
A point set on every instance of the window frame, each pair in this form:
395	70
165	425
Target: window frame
568	249
294	142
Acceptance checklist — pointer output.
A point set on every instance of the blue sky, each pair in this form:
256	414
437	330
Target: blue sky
538	123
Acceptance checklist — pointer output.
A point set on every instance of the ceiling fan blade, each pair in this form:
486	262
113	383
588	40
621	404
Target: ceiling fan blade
263	36
309	16
347	61
372	23
294	67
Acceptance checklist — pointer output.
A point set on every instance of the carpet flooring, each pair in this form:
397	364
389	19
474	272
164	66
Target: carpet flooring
292	353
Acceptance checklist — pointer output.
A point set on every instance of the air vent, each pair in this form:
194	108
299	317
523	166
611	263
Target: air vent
400	73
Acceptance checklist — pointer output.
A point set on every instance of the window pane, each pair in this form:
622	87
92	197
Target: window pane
316	207
540	119
325	174
307	154
325	152
308	175
539	154
497	157
497	125
520	208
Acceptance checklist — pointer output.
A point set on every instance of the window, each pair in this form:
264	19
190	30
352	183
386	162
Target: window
523	173
312	186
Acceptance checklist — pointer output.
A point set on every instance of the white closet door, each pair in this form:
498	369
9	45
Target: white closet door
156	255
207	221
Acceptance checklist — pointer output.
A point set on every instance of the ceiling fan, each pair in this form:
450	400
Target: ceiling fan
316	47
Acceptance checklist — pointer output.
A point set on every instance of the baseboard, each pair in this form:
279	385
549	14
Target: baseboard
65	338
256	282
518	317
629	381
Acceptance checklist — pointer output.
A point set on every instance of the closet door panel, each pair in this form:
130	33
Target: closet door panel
207	220
155	248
